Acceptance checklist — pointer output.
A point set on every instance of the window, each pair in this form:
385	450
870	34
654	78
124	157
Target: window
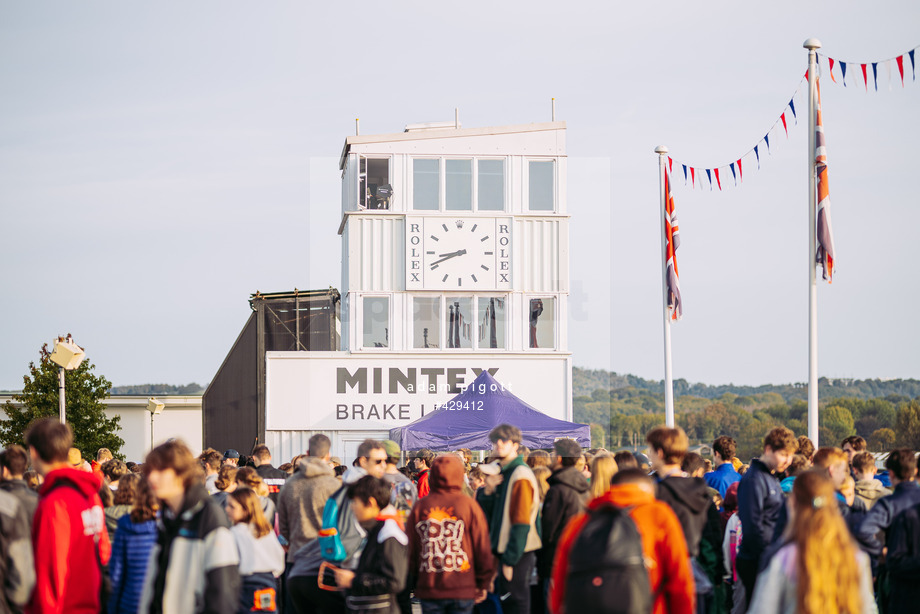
460	323
542	316
541	185
426	184
374	191
426	322
491	322
459	185
491	177
376	322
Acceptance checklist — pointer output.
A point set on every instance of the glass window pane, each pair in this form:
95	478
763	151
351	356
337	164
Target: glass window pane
426	179
459	185
426	322
491	322
541	185
542	317
460	323
491	185
376	322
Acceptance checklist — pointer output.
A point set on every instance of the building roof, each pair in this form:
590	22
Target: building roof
416	133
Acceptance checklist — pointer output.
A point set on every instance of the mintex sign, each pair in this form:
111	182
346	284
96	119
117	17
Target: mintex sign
341	391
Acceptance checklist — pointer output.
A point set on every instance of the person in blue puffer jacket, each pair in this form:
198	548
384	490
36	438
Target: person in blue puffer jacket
134	539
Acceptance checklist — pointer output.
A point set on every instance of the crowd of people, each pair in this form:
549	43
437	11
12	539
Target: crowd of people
559	531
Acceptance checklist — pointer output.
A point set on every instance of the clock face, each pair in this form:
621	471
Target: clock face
457	253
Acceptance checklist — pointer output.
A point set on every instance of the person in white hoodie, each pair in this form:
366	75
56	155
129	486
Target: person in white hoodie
261	555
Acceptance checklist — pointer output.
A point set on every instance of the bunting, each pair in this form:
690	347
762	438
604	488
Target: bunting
713	175
825	250
672	242
833	63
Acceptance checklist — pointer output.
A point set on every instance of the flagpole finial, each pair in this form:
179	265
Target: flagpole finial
812	44
661	149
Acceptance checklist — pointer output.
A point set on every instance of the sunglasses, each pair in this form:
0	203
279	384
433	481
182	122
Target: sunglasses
376	461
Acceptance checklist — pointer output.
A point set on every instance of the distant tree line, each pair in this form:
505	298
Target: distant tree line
154	389
620	416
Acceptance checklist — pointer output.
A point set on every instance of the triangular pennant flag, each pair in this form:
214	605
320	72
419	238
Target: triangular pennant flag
740	173
766	140
783	117
901	68
693	177
830	62
670	164
734	176
912	66
843	72
874	75
757	155
709	176
865	75
792	106
719	181
685	173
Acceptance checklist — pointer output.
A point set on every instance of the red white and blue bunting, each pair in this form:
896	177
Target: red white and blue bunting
861	73
712	176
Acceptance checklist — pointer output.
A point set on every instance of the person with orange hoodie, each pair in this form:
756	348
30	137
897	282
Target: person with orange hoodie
663	545
449	549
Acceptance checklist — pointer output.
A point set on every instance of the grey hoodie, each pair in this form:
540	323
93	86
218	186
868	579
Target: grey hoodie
301	502
870	491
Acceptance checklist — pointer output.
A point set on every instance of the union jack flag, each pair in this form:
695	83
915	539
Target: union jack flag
672	237
825	253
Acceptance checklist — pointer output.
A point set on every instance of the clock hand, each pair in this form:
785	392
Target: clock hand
449	256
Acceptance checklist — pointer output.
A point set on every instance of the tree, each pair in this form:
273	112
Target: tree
882	440
908	425
838	421
598	436
83	397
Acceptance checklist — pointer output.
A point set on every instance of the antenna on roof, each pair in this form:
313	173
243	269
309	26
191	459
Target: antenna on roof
357	126
554	109
457	117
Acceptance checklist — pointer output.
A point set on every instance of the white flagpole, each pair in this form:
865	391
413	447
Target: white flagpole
662	152
812	44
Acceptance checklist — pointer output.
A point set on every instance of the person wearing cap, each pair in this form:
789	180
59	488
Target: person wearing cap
231	457
392	474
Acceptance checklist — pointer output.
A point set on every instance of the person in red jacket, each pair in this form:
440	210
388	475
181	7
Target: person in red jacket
663	544
68	532
449	549
423	459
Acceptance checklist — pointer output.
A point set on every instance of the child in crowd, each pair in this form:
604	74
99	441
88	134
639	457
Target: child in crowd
261	555
383	567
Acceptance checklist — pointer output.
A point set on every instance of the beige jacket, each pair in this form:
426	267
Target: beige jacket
301	502
870	491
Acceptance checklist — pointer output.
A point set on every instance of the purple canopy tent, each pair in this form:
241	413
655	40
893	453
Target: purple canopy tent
466	420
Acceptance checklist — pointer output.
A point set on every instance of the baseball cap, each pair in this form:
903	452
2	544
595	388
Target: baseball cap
231	453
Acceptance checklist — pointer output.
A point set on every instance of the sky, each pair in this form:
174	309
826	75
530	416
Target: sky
160	162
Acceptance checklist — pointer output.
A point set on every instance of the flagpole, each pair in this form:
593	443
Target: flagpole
812	44
662	152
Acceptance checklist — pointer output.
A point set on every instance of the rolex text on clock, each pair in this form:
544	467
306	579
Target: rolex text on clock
446	252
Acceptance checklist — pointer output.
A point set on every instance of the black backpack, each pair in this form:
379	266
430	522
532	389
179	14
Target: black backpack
607	572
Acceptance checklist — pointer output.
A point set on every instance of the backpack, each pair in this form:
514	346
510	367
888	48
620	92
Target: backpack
330	542
606	572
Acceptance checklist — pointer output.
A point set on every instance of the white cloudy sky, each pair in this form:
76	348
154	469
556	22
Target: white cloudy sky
161	161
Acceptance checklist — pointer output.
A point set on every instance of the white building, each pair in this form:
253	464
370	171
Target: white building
455	258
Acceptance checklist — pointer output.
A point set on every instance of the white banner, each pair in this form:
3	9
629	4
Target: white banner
341	391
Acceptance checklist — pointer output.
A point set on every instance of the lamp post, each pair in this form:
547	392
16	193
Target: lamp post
67	355
154	407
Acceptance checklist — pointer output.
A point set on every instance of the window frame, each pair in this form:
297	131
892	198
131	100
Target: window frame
526	185
389	326
526	322
445	299
474	185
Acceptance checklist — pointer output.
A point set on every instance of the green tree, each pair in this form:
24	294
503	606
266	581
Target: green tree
838	421
908	425
83	397
598	436
882	440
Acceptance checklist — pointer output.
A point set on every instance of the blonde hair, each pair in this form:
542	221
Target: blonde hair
542	473
603	468
826	564
252	507
247	477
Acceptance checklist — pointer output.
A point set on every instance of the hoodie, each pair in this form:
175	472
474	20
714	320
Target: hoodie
68	525
690	500
566	498
870	491
301	501
449	548
662	544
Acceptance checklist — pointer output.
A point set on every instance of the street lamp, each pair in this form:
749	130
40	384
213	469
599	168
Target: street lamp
67	355
154	407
